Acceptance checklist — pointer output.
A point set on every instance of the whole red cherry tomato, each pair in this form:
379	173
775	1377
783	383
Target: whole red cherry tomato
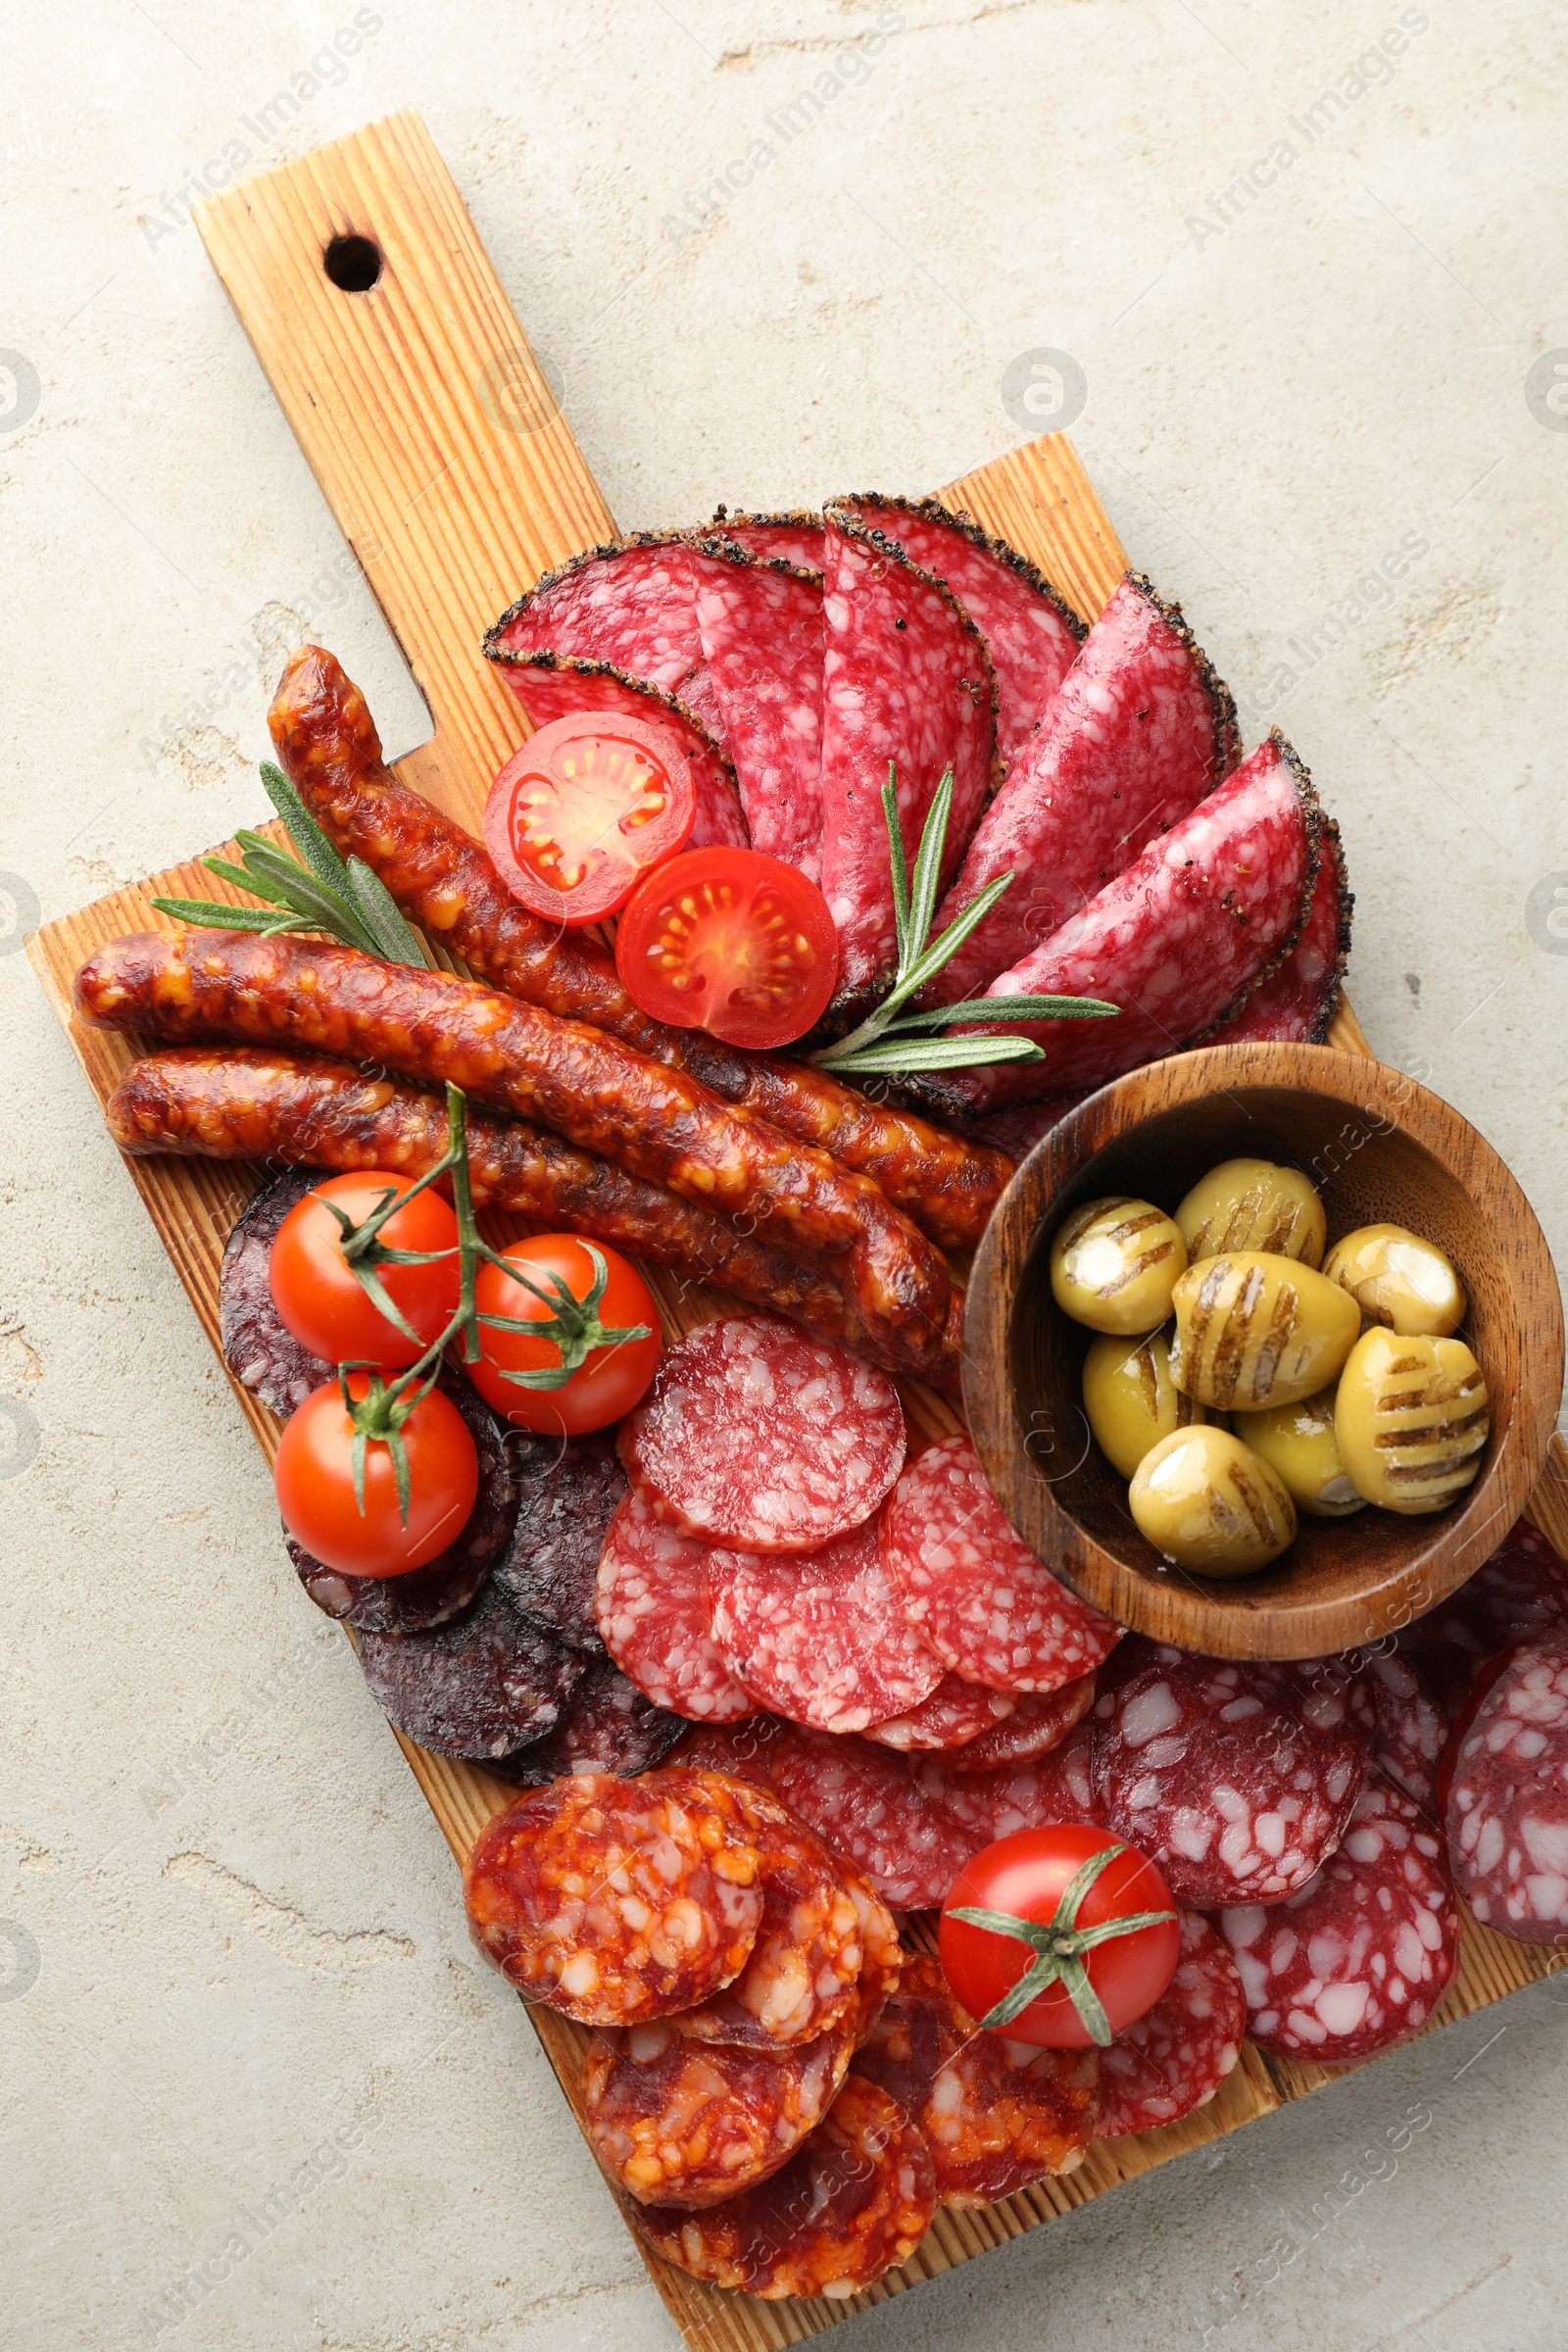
595	1337
324	1306
591	802
732	942
315	1481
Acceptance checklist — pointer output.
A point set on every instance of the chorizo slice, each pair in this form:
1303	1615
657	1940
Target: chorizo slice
804	1973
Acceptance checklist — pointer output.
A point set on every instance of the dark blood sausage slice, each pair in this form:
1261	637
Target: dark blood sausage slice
1177	2054
1519	1594
996	2114
986	1606
1361	1956
651	1607
1141	730
1040	1721
804	1973
865	1803
1208	909
855	2200
1299	999
676	2122
1216	1769
819	1637
754	1435
782	538
760	627
616	1900
567	1496
1031	632
1508	1817
482	1686
905	680
956	1716
258	1348
630	604
605	1726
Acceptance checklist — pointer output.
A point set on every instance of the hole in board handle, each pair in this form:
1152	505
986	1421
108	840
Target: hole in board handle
353	264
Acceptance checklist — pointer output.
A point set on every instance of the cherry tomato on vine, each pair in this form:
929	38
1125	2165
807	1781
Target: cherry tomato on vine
591	802
1025	1877
732	942
317	1296
607	1346
315	1481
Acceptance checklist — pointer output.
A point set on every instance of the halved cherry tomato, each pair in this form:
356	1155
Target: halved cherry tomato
607	1380
589	802
324	1306
732	942
315	1481
1027	1876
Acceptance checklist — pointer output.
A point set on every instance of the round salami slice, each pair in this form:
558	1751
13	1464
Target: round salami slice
1410	1726
258	1348
803	1974
567	1496
653	1613
742	1750
819	1637
1519	1594
676	2122
955	1716
850	2205
618	1901
605	1726
1361	1956
1215	1770
988	1805
863	1801
1038	1721
756	1436
1177	2054
1508	1800
482	1686
996	2114
1062	1776
986	1606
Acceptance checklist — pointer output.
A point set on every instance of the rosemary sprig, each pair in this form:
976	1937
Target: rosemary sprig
1058	1945
888	1040
319	890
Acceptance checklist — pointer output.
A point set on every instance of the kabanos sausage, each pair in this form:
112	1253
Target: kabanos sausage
444	879
216	986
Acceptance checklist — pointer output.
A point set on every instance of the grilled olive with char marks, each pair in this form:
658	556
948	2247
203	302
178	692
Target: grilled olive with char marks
1253	1204
1254	1330
1211	1504
1114	1264
1398	1280
1131	1398
1411	1418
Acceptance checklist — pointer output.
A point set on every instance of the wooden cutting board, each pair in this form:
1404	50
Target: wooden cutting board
441	452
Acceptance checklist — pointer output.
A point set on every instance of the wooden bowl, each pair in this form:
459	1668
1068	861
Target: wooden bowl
1379	1148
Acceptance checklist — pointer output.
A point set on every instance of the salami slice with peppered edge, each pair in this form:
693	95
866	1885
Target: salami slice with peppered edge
605	1726
848	2206
1299	999
1518	1594
1140	732
1208	910
1031	632
760	627
1215	1768
567	1490
906	681
819	1637
630	604
1507	1816
651	1607
743	1750
982	1601
1040	1721
1360	1958
617	1901
482	1686
953	1717
1177	2054
555	685
433	1594
803	1971
865	1804
258	1348
756	1436
996	2114
796	538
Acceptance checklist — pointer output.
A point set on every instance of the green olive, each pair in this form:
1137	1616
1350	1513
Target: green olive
1210	1503
1253	1204
1411	1418
1398	1280
1254	1330
1114	1264
1131	1398
1299	1441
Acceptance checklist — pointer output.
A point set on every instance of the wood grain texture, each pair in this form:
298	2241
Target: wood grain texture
437	447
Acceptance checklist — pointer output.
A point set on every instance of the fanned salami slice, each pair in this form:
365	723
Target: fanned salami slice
482	1686
985	1604
653	1613
555	685
804	1972
1218	1770
760	625
1141	730
1177	2054
258	1348
1206	909
674	2121
605	1726
1031	632
618	1901
863	1801
631	605
1038	1721
1507	1818
905	681
1361	1956
756	1436
742	1750
819	1637
782	538
996	2114
1299	999
1519	1594
567	1496
855	2200
957	1715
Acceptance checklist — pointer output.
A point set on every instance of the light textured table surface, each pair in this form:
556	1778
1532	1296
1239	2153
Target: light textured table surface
259	2095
